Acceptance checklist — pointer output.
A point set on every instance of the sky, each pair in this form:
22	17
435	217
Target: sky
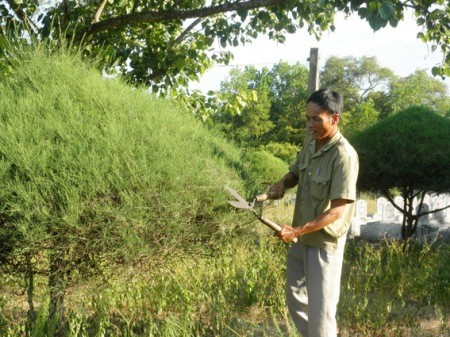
395	48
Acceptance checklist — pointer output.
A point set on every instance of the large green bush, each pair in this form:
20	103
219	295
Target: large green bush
263	169
93	173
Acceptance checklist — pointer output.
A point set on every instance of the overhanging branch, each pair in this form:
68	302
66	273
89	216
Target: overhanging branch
22	16
166	15
186	31
99	11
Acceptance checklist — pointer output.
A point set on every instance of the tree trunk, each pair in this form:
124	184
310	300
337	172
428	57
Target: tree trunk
29	284
56	283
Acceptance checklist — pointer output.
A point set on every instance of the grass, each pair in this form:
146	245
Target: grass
239	291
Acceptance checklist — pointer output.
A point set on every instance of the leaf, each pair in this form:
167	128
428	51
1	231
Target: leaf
435	71
264	17
179	64
387	10
393	21
223	41
420	21
376	22
242	14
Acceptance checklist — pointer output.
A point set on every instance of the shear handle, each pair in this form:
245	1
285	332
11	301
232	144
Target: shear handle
276	227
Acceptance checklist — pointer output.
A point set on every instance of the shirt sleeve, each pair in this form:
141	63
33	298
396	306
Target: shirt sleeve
344	176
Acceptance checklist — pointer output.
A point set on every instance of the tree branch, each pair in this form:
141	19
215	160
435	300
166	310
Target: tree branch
166	15
22	16
185	32
99	11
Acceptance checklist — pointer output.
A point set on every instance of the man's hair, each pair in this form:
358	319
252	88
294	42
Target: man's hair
328	100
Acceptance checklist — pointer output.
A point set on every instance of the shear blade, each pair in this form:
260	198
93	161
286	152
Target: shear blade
235	194
241	204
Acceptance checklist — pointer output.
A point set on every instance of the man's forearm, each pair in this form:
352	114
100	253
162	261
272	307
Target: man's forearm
324	219
289	180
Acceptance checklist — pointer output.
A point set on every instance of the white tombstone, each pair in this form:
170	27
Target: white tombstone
426	200
447	211
361	209
355	227
381	201
424	219
388	213
439	203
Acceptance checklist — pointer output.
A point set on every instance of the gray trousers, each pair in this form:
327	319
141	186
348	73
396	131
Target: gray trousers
312	288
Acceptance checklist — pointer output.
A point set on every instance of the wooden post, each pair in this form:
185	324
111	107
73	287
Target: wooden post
313	81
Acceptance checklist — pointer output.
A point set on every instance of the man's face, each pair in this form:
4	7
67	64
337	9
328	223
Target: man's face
320	123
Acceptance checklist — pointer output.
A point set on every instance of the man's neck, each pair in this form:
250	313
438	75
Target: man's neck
321	142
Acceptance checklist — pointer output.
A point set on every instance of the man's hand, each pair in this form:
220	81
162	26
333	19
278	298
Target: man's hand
288	233
288	181
276	191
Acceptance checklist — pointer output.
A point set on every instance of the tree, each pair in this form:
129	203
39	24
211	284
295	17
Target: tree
252	122
164	44
408	152
274	120
289	91
355	78
372	92
419	88
96	177
360	118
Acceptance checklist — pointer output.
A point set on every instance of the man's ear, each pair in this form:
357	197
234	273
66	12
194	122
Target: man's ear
336	118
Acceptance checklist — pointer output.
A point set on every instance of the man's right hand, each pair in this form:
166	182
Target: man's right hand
276	191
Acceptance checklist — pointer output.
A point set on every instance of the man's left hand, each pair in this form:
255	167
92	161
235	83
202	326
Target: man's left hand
287	233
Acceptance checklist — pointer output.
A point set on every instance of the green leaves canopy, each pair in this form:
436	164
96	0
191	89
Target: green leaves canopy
166	44
409	150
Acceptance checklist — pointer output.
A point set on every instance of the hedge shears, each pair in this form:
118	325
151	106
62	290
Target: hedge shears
241	203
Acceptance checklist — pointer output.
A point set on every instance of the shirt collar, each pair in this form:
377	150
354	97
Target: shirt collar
328	145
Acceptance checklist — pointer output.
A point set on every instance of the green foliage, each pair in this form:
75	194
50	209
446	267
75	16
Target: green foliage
249	125
355	78
288	92
239	290
94	174
285	151
419	89
264	168
360	118
274	120
410	148
165	44
408	152
387	289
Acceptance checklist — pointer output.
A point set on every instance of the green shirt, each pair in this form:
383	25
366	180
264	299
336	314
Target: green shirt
325	175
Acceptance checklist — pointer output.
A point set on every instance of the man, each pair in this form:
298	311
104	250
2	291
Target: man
325	171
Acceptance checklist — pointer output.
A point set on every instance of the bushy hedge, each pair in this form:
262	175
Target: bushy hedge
93	171
263	169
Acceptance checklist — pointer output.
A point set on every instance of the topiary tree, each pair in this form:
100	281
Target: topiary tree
95	177
408	152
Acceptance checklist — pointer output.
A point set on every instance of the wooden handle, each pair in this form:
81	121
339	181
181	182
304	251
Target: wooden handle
276	227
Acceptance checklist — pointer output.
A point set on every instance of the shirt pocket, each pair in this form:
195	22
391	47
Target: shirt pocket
319	185
302	171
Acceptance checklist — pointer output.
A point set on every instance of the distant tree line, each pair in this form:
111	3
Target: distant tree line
273	118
